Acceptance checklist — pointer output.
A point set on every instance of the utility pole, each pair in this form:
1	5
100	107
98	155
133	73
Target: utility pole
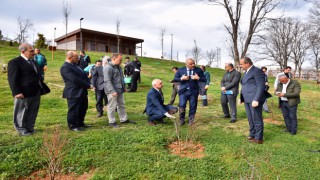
171	44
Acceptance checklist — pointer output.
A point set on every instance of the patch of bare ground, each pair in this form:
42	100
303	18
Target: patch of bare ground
187	149
41	175
272	121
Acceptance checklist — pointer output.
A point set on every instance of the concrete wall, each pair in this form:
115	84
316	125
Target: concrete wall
72	45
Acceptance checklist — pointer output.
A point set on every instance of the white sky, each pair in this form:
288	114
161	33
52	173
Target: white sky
185	19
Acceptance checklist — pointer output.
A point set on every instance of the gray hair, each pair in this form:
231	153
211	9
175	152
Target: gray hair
282	76
105	60
155	81
24	47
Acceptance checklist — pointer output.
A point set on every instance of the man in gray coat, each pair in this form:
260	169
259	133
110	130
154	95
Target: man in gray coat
229	92
114	88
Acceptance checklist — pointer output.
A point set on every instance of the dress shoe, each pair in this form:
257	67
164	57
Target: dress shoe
258	141
181	123
100	114
225	116
128	121
250	138
86	126
233	121
293	133
114	125
26	133
77	129
152	123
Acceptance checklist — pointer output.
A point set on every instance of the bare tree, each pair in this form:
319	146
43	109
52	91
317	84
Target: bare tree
195	52
278	40
24	25
258	12
314	41
162	33
300	45
118	22
211	56
314	16
66	10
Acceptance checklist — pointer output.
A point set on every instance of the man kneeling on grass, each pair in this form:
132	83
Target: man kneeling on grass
155	108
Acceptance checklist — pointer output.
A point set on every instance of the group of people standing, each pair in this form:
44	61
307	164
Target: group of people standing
25	77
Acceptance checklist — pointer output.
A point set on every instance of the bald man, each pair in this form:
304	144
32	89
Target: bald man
155	108
188	77
75	91
24	80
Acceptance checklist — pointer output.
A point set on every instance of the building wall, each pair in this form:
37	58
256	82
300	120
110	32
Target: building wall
72	45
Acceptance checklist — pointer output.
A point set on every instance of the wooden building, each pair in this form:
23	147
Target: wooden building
99	41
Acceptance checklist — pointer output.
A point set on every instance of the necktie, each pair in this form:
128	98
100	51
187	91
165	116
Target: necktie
190	72
31	63
161	95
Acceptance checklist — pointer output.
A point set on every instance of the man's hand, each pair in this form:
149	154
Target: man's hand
114	94
19	96
169	116
185	78
223	88
206	87
195	77
255	103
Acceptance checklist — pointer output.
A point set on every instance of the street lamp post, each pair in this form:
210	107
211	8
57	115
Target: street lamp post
53	42
171	44
80	34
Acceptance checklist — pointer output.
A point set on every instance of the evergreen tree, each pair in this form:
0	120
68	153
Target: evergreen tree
41	41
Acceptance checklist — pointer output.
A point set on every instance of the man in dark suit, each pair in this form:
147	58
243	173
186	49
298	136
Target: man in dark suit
288	91
253	96
155	108
98	84
75	90
188	77
24	81
135	75
229	92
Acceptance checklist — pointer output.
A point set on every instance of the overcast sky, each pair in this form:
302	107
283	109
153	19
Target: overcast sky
185	19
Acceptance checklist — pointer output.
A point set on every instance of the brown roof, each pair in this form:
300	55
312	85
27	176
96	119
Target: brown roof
136	40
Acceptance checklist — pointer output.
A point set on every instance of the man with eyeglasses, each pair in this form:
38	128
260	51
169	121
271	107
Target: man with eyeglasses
229	92
24	81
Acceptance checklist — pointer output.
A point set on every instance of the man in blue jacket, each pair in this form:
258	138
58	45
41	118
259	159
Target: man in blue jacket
253	96
189	78
155	108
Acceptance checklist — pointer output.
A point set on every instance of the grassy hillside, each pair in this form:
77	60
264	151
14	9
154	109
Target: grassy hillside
139	151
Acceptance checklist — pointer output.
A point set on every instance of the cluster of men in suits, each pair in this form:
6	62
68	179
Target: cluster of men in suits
25	81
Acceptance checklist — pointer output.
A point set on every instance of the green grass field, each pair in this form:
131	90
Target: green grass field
139	151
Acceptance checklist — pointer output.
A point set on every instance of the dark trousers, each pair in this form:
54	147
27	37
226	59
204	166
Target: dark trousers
290	116
134	81
173	94
232	100
254	115
157	115
100	96
193	102
77	109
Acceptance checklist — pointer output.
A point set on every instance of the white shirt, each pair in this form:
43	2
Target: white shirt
284	90
248	69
